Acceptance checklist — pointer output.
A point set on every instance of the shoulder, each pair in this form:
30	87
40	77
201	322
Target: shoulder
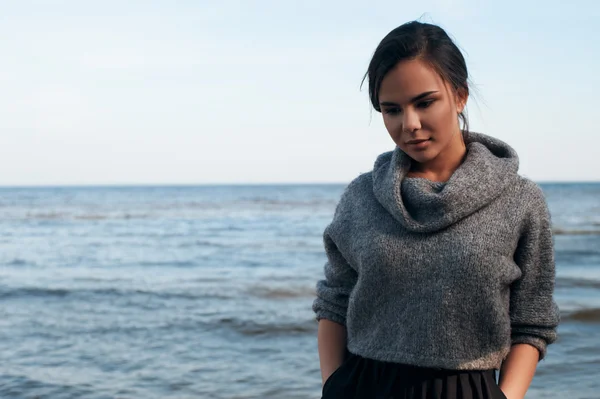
359	184
532	194
359	187
348	208
534	203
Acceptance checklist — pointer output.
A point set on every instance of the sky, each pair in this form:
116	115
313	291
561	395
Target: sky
253	92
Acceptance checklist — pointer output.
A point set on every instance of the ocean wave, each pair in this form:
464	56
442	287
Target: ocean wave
192	205
270	292
17	262
101	280
573	253
94	293
9	293
591	315
84	216
183	263
203	243
572	282
286	203
47	215
562	231
111	216
253	328
20	386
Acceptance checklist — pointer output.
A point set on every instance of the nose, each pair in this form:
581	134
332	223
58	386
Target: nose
411	121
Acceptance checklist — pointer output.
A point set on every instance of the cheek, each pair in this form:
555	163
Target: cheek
442	117
393	125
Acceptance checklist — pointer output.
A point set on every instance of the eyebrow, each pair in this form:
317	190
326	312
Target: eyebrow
414	99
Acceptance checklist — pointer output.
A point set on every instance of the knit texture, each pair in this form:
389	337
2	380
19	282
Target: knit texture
441	274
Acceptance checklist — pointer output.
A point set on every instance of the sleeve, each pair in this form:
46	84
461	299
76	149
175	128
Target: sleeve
333	292
534	314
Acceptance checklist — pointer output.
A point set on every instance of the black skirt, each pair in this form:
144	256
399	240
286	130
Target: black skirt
363	378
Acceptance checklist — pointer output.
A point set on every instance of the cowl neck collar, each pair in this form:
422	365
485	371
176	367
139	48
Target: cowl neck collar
425	206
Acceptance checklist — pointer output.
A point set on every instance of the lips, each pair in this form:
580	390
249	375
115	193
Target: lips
416	141
419	144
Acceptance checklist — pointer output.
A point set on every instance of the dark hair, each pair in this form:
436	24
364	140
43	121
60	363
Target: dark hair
427	42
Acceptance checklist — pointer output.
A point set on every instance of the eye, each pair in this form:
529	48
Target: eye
391	111
425	104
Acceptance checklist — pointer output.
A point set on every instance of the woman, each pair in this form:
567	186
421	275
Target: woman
440	265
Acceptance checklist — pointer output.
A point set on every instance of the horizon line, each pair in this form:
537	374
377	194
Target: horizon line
238	184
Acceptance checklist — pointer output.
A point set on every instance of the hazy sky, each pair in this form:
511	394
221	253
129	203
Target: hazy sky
170	92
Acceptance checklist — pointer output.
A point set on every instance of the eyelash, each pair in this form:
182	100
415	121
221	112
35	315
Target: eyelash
396	110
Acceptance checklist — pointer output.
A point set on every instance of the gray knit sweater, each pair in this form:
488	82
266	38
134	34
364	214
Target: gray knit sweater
441	274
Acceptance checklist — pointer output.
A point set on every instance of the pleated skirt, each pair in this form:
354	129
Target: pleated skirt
364	378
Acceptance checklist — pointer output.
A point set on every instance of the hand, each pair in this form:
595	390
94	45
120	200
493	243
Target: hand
511	395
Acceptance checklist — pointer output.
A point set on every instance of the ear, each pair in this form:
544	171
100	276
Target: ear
461	100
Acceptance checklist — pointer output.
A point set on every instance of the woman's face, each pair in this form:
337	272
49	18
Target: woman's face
417	104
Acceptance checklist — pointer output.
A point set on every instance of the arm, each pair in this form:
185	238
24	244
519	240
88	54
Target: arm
332	347
331	306
518	370
534	314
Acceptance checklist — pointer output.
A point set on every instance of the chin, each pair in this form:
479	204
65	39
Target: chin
420	156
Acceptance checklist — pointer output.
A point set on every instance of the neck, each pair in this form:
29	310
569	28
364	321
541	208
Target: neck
443	166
